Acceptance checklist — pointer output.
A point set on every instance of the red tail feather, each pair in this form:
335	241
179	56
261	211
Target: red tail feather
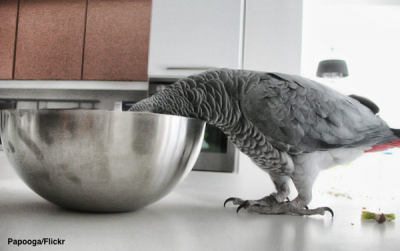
384	147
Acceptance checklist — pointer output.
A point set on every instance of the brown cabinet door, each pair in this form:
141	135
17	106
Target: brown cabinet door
117	40
8	28
50	39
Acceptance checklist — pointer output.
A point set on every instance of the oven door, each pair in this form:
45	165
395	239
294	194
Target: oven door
218	153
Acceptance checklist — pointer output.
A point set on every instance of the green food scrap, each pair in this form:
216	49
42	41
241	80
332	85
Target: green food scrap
390	217
380	218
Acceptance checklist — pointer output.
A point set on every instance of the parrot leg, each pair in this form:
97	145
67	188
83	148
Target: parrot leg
281	183
275	204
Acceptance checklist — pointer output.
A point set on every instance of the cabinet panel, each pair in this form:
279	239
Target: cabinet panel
117	40
50	39
273	36
190	36
8	28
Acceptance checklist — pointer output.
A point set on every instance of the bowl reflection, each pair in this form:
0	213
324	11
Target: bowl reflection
100	161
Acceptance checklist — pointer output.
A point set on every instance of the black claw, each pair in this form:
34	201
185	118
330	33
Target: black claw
229	199
287	199
329	210
239	207
306	207
243	205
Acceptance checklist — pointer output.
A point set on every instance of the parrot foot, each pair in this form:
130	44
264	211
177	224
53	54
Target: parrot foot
266	200
269	205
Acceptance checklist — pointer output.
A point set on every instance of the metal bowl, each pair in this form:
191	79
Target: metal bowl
100	161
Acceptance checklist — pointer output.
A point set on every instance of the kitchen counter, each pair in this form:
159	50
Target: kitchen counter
192	217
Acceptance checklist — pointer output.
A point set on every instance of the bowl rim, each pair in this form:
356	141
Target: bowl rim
101	111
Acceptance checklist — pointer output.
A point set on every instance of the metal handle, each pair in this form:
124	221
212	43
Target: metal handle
202	68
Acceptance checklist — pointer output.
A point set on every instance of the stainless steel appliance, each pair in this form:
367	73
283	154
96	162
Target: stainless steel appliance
218	153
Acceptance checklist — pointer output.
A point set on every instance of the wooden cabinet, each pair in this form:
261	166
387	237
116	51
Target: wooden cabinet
117	40
50	39
8	28
74	39
190	36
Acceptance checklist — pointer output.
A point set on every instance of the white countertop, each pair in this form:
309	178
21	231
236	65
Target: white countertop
192	217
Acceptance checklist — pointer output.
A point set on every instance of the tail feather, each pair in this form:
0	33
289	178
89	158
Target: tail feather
386	146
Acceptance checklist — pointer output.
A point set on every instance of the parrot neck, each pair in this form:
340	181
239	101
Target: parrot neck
215	101
210	96
166	102
209	101
218	103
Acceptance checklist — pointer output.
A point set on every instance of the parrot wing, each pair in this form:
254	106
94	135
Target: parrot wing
299	115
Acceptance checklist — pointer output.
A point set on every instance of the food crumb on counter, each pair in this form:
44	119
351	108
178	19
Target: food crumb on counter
380	218
340	195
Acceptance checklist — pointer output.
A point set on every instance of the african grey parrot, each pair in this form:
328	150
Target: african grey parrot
289	126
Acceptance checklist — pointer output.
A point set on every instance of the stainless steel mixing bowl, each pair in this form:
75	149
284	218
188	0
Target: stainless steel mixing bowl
100	161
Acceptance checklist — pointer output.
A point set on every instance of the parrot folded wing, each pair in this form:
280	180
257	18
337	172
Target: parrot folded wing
298	115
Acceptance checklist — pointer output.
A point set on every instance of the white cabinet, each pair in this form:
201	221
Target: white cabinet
188	37
273	36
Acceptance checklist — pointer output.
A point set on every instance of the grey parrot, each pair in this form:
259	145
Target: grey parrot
291	127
